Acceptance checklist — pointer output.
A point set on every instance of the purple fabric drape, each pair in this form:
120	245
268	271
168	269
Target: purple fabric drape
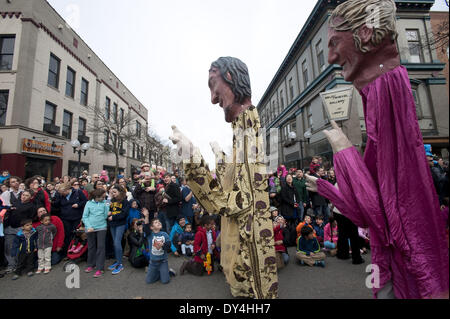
391	192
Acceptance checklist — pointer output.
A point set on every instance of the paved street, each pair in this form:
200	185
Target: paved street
339	279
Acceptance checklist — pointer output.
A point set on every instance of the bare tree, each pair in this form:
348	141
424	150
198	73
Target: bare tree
117	129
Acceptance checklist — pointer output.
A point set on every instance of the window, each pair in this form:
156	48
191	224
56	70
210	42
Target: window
49	114
121	117
84	92
53	71
107	108
412	36
274	108
417	103
305	74
120	143
3	106
81	127
291	89
138	129
142	152
106	133
134	150
114	139
114	112
320	57
67	125
70	82
6	51
309	116
281	100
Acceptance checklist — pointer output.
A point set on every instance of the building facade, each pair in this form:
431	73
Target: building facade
292	101
50	84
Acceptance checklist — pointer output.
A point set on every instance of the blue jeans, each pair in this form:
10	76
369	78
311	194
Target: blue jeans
301	211
117	234
285	258
158	270
329	245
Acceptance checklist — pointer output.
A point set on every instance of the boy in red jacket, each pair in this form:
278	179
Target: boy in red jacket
204	242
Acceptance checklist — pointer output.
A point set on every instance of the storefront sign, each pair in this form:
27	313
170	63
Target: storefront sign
37	147
337	103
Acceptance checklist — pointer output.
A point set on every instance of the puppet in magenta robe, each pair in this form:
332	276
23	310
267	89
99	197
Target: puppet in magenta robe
391	190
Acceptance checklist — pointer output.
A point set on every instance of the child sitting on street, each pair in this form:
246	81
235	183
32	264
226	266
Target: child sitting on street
187	241
46	232
204	243
280	248
330	236
80	240
307	221
319	229
25	247
308	249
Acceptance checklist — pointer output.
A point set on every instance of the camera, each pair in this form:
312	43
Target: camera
139	223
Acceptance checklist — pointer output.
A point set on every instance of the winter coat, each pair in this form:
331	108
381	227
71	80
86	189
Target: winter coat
133	214
175	236
187	236
329	234
307	246
146	199
137	243
58	239
300	186
316	198
22	245
67	211
119	212
42	199
46	234
289	197
174	198
95	215
23	211
201	243
278	235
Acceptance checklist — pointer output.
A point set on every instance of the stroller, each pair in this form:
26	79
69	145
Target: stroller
77	256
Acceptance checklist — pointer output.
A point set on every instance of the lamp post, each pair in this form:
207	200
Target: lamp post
307	135
78	148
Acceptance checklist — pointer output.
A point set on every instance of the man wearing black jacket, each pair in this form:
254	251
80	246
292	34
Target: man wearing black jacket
172	199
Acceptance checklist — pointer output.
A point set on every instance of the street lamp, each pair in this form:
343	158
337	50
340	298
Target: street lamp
293	136
78	148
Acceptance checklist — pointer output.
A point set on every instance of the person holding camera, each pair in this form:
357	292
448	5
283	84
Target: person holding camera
138	257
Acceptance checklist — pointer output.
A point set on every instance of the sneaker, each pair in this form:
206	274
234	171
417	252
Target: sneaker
358	261
118	269
15	277
183	267
146	269
321	263
46	271
113	266
98	274
39	271
77	251
71	249
89	269
172	272
30	274
9	270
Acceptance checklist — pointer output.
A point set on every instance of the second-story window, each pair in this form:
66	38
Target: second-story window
281	100
84	91
67	125
3	106
81	127
70	82
291	89
114	113
305	74
107	108
49	113
53	71
412	36
121	117
320	56
6	51
138	129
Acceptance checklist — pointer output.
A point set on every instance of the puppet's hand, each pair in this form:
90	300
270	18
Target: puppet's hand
185	148
311	183
337	138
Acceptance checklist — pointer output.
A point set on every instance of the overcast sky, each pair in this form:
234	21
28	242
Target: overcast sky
162	51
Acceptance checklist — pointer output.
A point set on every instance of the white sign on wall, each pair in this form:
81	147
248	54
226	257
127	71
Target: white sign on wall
337	103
